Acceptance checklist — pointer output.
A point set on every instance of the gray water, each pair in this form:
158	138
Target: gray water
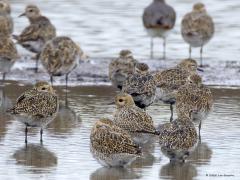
104	27
65	151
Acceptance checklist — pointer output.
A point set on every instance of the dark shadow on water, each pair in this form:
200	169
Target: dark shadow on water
178	171
201	155
114	174
65	122
35	157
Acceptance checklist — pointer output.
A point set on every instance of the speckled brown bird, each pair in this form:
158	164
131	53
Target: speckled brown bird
40	30
178	138
197	28
8	6
8	55
6	21
170	80
158	19
60	56
111	146
133	119
36	107
196	97
120	68
141	86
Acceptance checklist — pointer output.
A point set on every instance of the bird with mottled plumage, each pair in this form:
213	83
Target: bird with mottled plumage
133	119
120	68
178	138
36	107
8	5
170	80
158	19
112	146
40	30
60	56
141	86
8	55
197	28
6	21
196	97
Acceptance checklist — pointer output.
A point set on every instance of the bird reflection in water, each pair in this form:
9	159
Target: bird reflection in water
114	174
65	122
35	156
178	171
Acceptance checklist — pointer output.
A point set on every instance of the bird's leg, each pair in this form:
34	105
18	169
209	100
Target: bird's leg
151	44
66	90
51	79
199	130
171	108
41	133
190	52
37	61
3	78
201	52
164	48
26	132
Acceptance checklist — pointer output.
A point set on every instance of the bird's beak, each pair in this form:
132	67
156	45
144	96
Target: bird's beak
111	103
21	15
199	69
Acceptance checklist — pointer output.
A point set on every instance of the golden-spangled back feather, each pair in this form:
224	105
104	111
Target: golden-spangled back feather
113	140
171	79
60	55
191	97
41	29
199	24
6	25
35	103
159	15
134	120
8	49
178	135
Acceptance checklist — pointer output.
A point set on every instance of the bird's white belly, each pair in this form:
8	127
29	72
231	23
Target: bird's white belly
33	46
161	33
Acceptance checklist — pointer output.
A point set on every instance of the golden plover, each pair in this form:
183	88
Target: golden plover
158	19
119	69
170	80
8	5
197	28
6	21
8	55
178	138
141	86
36	107
194	96
60	56
133	119
111	146
37	33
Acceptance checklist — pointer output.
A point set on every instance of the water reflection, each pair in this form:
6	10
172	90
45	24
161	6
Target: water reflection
36	156
178	171
201	155
5	119
65	122
114	174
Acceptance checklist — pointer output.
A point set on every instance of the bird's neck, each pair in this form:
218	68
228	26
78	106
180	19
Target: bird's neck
34	19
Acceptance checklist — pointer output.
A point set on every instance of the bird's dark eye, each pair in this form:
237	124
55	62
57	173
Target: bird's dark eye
44	88
120	100
30	10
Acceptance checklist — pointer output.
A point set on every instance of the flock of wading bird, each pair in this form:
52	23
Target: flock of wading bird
118	142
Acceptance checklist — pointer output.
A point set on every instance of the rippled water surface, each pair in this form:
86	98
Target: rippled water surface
65	151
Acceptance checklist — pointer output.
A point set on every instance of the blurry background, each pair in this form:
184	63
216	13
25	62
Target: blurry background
104	27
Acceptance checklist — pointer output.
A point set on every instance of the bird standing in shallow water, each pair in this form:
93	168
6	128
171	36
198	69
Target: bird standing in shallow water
111	146
40	30
133	119
141	86
158	19
170	80
121	68
36	107
178	138
194	96
60	56
197	28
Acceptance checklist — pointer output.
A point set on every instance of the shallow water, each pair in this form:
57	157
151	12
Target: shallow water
65	151
105	27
